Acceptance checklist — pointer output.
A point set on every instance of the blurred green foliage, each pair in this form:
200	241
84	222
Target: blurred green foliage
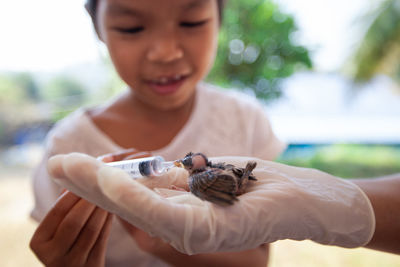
65	94
349	160
19	88
11	92
379	50
24	102
17	98
64	90
27	83
257	48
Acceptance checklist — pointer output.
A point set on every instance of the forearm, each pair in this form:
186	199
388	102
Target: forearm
384	194
255	257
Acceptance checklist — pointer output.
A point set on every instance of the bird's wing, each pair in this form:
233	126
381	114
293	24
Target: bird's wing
236	170
214	185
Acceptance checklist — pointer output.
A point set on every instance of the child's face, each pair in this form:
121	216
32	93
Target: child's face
160	48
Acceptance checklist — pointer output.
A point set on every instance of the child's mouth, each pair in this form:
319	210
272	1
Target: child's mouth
167	85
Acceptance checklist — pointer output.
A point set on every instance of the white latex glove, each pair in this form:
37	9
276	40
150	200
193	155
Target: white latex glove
285	203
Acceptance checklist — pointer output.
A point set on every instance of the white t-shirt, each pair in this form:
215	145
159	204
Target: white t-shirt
223	123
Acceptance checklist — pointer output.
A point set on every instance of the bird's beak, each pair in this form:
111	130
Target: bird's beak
178	163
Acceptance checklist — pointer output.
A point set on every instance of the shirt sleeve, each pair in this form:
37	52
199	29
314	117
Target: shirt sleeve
265	144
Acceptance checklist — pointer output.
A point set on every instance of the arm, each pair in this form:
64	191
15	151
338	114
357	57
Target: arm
285	203
384	194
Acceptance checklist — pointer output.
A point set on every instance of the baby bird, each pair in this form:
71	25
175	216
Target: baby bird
219	183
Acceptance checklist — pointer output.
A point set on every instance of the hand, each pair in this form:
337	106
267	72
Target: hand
285	203
73	233
145	242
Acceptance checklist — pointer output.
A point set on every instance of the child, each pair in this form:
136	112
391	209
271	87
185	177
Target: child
161	50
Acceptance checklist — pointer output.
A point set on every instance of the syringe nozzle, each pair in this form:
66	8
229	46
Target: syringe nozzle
178	163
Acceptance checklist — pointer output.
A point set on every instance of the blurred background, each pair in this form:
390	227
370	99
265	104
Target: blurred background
328	72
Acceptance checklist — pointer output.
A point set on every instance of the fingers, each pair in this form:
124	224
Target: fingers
77	173
90	233
99	249
81	169
49	224
177	220
117	184
71	232
72	167
113	189
55	166
70	228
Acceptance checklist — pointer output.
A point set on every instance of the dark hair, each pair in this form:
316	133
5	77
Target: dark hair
91	6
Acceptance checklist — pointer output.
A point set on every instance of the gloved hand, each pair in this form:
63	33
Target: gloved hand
285	203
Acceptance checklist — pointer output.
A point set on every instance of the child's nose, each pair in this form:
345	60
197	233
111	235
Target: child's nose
165	49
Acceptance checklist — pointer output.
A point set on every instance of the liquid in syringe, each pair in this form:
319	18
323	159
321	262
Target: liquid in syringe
142	167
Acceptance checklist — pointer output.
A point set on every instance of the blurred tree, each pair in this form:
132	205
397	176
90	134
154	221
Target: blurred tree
17	88
257	48
26	81
17	92
64	94
379	50
64	91
10	92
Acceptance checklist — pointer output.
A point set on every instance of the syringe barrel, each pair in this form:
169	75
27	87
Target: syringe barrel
151	166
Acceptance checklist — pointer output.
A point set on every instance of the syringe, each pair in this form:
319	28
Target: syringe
137	168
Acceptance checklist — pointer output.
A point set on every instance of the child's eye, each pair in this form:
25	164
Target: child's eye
131	30
190	24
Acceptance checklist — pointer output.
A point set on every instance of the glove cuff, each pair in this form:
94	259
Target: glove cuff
370	221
